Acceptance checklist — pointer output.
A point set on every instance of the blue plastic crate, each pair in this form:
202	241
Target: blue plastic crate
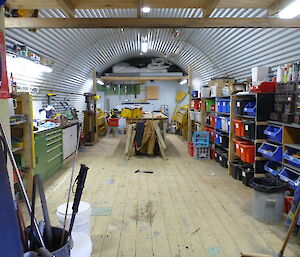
219	106
273	168
274	133
218	138
201	139
288	155
271	151
290	176
228	124
250	108
227	106
218	122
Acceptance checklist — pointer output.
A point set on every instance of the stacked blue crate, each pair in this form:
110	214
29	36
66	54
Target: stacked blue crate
201	145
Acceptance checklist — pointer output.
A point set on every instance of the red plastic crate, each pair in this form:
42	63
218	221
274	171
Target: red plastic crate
213	108
212	121
190	146
264	87
212	153
212	134
113	122
247	152
238	143
197	104
288	200
239	128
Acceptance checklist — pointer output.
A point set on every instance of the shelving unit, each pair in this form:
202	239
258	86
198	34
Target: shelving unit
264	105
290	140
23	130
219	151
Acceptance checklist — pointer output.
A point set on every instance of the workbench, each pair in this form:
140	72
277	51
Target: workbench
163	120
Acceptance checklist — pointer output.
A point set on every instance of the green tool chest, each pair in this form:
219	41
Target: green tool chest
48	152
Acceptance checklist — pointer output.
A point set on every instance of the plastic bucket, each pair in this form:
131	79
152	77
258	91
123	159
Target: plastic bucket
82	245
82	220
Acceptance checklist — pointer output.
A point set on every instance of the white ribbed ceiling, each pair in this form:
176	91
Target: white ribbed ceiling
210	52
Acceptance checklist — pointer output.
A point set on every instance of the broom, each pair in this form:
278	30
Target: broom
288	234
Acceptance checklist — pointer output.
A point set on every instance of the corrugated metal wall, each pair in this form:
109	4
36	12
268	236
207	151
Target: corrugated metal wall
211	52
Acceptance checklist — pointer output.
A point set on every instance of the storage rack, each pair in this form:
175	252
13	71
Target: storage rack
264	105
289	139
219	150
24	131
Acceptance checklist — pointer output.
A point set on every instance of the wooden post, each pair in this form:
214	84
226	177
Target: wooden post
189	134
95	105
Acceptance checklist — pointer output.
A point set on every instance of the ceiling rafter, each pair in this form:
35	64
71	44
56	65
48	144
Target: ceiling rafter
68	7
210	7
32	23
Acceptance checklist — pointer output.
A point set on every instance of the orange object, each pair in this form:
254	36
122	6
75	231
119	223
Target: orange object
239	128
238	143
113	122
212	121
247	152
190	146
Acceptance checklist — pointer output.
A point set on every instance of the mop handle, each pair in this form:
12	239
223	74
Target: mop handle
23	190
291	228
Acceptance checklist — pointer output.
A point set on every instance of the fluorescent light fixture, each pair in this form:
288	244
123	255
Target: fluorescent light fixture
100	82
144	47
24	66
182	82
146	9
291	11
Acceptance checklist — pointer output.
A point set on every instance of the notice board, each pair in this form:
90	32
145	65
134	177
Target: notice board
152	92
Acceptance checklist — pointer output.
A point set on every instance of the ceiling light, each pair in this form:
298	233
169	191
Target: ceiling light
146	9
99	81
182	82
144	47
291	11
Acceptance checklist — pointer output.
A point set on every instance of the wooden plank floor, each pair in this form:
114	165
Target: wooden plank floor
187	208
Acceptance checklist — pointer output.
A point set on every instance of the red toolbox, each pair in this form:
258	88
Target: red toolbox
239	128
264	87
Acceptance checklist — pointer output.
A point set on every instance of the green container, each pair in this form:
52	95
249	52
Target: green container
208	104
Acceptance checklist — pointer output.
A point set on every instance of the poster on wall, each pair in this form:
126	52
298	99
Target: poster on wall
4	90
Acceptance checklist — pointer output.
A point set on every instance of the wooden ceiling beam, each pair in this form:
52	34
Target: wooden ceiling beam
127	78
72	23
210	7
277	6
68	7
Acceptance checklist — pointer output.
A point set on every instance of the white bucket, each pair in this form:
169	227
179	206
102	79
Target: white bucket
197	116
82	220
192	115
82	245
205	91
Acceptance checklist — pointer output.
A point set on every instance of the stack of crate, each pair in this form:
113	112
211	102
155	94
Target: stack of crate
201	145
287	104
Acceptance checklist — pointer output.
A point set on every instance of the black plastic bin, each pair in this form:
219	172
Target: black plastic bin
240	105
249	129
224	160
247	175
225	140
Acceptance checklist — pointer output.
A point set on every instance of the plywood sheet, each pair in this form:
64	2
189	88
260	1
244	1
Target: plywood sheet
152	92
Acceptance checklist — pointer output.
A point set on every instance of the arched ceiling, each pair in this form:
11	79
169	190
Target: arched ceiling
210	52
